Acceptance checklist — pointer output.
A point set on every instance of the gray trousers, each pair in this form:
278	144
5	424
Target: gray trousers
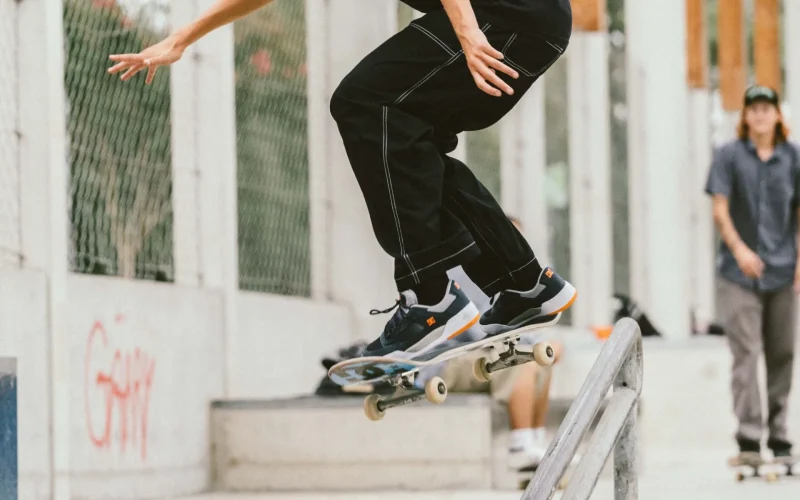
757	322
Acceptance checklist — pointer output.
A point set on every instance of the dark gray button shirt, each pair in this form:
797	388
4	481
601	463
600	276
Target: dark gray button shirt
763	200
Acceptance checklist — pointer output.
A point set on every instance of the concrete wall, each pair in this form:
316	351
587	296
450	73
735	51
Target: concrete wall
280	344
146	360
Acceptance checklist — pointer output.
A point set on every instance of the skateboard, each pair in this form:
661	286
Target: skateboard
751	464
393	381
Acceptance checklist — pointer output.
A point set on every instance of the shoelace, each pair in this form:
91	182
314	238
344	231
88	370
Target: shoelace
396	320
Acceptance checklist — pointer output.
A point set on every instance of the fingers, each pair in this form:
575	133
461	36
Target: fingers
487	79
151	73
491	76
132	71
127	57
494	63
481	83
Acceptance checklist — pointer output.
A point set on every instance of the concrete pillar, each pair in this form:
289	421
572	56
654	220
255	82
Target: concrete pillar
185	173
523	166
699	127
360	273
216	160
660	264
43	203
591	211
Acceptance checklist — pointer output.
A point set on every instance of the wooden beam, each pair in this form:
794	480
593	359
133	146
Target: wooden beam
767	43
731	55
696	45
589	15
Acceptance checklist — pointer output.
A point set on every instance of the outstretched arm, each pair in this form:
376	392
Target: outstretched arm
171	48
483	60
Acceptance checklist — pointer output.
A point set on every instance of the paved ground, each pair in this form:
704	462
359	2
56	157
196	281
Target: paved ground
667	475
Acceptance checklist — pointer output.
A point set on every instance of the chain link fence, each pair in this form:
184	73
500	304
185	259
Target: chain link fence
119	142
10	244
272	150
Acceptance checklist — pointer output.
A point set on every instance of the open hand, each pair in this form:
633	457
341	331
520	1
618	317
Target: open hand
163	53
483	61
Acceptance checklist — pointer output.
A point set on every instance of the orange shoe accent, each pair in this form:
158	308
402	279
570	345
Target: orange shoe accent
431	321
457	285
549	273
569	304
465	328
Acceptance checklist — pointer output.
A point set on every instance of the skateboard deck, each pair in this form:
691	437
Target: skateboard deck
393	381
749	465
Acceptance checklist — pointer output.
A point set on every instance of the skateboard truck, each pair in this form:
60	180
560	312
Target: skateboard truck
542	353
405	392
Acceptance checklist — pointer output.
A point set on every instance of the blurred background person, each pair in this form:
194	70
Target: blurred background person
754	182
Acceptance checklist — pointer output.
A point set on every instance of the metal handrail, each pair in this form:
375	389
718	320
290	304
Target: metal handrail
620	364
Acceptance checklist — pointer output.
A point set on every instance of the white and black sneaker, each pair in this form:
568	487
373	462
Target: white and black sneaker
416	329
513	309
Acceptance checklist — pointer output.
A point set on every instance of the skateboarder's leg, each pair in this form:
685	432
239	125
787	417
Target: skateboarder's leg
779	345
741	313
387	109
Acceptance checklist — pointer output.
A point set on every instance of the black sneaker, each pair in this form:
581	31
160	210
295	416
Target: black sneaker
780	447
513	309
748	445
416	329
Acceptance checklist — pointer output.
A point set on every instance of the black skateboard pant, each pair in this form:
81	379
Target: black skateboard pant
398	112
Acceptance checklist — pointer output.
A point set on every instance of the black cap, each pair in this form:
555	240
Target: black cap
756	93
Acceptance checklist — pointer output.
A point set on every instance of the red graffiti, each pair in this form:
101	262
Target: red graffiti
118	384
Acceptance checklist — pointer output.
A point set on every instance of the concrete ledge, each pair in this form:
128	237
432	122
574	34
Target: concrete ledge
313	444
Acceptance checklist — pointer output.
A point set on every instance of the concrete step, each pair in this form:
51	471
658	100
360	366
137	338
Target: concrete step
327	444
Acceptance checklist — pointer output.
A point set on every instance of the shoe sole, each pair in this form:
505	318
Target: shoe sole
561	302
558	304
455	326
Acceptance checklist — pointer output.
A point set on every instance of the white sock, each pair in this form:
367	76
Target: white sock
540	436
521	439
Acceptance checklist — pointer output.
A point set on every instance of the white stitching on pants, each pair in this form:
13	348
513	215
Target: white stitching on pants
434	38
441	260
434	71
510	274
511	63
559	49
427	77
391	192
414	272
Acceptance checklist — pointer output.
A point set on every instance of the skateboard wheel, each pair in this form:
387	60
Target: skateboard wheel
371	407
544	354
739	476
772	477
436	390
480	371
